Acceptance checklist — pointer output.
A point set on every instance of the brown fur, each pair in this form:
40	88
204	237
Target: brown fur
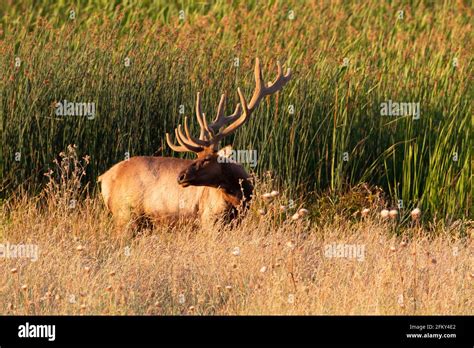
148	187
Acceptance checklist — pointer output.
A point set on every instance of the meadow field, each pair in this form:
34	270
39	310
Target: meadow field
323	143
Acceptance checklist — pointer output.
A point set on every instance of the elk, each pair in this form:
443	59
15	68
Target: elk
207	188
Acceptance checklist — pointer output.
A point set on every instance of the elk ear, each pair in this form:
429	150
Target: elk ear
225	152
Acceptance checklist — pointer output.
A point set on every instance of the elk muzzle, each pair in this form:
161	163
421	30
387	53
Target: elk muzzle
185	177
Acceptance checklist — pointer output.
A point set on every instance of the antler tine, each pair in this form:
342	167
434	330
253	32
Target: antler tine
184	139
198	109
235	115
187	141
259	81
222	120
280	80
209	131
202	135
260	92
211	134
259	85
220	110
202	117
173	146
192	140
241	118
183	143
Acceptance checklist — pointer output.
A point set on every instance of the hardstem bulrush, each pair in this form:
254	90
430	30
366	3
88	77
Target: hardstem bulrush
302	212
415	214
295	217
236	251
393	214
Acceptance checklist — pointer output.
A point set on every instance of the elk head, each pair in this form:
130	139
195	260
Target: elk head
207	169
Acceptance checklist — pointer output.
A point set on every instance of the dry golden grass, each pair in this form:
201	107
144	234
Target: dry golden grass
259	267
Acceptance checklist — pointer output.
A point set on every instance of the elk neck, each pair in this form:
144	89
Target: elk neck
235	185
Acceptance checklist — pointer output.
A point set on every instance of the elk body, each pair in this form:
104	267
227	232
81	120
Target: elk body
149	187
208	188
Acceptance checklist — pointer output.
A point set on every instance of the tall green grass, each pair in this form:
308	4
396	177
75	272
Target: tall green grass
337	107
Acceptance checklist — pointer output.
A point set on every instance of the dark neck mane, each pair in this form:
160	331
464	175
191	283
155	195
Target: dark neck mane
236	185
